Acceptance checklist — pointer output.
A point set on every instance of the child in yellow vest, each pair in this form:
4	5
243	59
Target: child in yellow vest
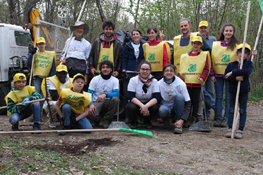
194	69
44	63
74	101
21	94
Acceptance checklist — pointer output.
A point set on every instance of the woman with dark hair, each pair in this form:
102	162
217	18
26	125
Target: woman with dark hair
156	52
223	52
175	101
132	55
143	93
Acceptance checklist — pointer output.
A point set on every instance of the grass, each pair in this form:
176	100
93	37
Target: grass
16	157
257	94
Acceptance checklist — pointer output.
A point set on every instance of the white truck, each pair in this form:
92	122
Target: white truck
14	42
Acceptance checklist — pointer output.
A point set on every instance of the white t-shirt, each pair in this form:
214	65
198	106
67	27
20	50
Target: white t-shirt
168	91
135	85
101	86
136	48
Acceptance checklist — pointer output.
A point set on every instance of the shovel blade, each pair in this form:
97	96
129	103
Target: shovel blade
143	132
118	125
203	126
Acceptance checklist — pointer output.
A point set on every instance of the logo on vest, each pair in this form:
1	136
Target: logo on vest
225	58
192	68
151	57
105	57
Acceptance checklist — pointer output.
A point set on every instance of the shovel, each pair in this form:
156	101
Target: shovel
118	124
205	125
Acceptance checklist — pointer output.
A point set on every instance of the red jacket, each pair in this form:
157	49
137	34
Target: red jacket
165	56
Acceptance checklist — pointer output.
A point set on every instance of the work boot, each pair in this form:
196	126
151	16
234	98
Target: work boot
15	127
223	122
229	133
178	130
239	134
106	124
65	128
218	122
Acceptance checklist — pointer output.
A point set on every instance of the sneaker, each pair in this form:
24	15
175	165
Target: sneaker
229	133
223	122
15	127
106	124
178	130
36	127
51	124
218	122
133	126
238	134
65	128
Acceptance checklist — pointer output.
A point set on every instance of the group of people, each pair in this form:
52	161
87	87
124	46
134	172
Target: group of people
156	82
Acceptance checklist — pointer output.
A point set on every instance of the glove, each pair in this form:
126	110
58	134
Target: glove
33	50
25	100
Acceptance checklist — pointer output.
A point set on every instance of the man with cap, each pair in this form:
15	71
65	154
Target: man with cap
105	92
106	47
78	51
73	105
21	94
183	42
208	89
54	86
44	63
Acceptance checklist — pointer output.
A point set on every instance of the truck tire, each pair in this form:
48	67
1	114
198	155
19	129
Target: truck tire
3	92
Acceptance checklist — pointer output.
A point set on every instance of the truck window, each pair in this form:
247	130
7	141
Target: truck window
22	38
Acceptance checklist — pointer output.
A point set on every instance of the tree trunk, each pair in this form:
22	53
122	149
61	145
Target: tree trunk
136	13
100	11
12	11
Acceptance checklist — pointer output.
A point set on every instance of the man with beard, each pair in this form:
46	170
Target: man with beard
78	51
105	91
106	47
54	86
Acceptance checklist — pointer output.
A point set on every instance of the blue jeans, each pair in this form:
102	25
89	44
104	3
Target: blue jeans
37	84
27	112
242	100
208	91
81	124
219	87
165	111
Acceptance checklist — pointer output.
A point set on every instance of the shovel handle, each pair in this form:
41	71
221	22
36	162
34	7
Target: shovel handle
32	101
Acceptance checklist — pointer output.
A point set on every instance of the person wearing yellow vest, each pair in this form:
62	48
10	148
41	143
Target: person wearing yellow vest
183	43
21	94
44	63
54	86
73	105
156	52
223	52
194	71
106	47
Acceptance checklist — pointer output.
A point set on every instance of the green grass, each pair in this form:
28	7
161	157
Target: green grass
257	94
16	157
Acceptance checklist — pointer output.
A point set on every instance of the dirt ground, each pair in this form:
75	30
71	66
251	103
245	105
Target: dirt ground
188	153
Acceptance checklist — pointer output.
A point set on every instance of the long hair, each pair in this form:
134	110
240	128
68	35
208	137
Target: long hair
232	44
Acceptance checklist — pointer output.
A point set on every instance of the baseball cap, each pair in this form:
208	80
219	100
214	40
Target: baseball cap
240	46
197	38
19	77
78	76
40	40
61	68
203	23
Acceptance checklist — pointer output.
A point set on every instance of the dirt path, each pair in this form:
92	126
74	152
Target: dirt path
189	153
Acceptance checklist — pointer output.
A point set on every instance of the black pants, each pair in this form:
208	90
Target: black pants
194	94
132	111
157	75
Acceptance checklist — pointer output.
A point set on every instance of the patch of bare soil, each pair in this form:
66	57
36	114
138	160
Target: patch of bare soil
76	149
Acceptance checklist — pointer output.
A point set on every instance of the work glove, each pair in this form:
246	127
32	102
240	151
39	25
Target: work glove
33	50
25	100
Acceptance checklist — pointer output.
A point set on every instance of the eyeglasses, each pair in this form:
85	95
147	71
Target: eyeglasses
142	69
169	71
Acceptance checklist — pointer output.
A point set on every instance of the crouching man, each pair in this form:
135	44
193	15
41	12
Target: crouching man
21	94
73	105
54	86
105	92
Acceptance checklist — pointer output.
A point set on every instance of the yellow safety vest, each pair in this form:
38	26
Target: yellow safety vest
179	50
56	83
43	63
19	95
154	55
221	57
105	54
192	67
77	101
